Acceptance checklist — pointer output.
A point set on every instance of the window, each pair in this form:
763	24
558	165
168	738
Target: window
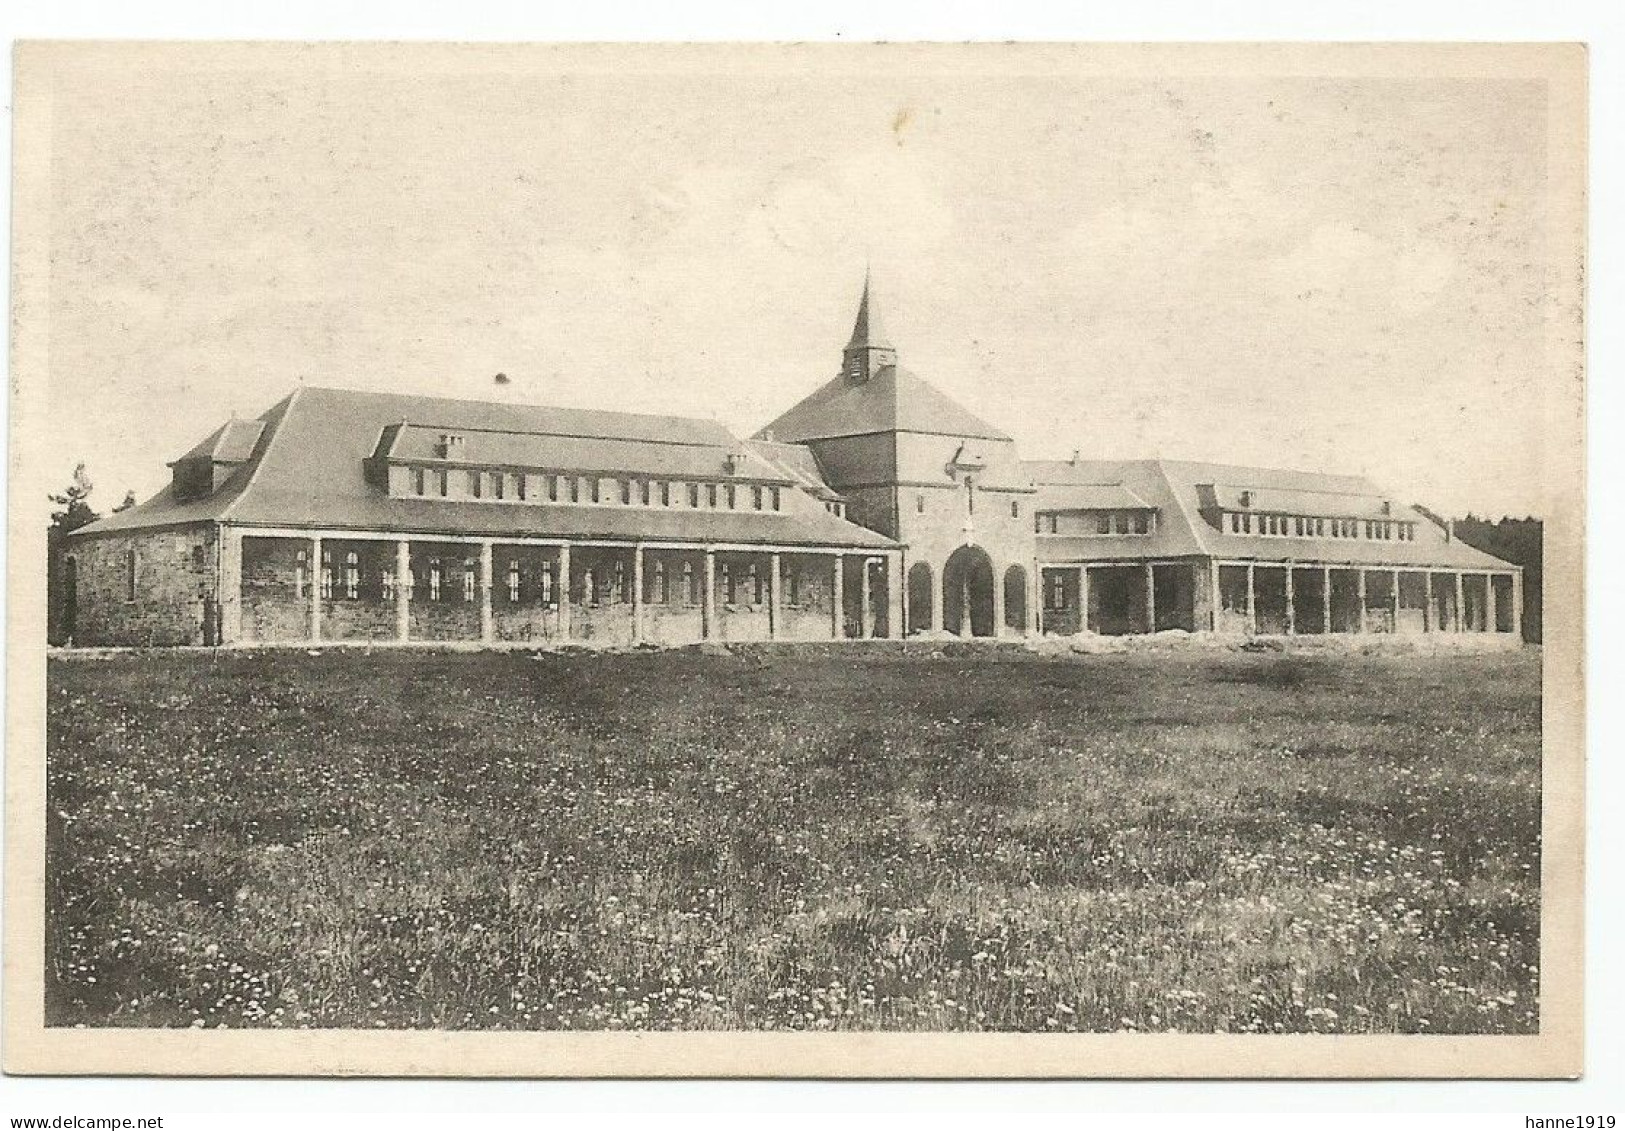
970	496
444	477
690	594
1015	508
476	481
389	585
665	493
468	580
1142	522
658	594
352	575
499	483
733	497
520	483
643	490
626	492
919	503
420	482
575	489
299	563
547	584
1103	522
727	583
589	590
711	495
775	492
130	569
694	495
753	584
617	592
513	582
756	498
327	574
792	578
552	488
434	579
1057	591
595	485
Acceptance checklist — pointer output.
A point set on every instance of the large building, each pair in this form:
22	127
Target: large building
875	507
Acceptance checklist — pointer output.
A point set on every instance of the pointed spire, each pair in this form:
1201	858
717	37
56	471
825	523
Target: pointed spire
868	332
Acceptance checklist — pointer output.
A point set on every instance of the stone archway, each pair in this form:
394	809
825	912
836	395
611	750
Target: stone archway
967	592
1015	599
919	598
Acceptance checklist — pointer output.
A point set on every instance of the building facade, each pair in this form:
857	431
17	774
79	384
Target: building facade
875	507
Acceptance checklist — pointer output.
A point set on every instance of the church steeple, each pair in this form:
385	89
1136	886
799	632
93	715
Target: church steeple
869	351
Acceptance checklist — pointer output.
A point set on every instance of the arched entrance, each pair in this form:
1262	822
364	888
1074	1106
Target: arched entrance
967	592
919	597
1015	599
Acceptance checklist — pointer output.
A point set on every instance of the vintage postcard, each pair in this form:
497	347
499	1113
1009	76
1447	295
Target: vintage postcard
775	560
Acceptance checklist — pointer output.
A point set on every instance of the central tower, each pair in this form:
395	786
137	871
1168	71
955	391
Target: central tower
915	466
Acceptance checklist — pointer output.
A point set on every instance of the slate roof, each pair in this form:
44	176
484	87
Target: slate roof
1184	494
414	442
306	471
893	400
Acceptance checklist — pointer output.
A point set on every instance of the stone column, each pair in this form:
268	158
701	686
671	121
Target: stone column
864	626
487	622
1517	604
230	598
936	601
561	591
894	595
708	607
1035	594
1393	603
1360	582
1214	601
637	591
316	569
1083	598
1461	604
1427	602
1252	601
1291	603
1489	603
838	616
403	590
1326	599
1150	598
775	610
998	601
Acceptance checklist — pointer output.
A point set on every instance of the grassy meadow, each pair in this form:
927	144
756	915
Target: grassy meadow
1192	840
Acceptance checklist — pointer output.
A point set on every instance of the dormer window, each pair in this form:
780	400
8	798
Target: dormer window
1246	499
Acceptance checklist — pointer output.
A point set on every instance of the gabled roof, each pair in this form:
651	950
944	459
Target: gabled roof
1186	493
893	400
307	471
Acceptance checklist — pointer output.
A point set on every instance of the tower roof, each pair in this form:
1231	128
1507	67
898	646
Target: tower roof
868	332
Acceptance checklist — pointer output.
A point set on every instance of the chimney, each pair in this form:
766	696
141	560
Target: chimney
1076	456
1450	530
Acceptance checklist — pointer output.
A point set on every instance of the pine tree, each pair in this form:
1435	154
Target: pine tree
73	508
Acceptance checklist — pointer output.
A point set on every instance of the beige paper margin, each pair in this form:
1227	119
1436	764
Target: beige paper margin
30	1048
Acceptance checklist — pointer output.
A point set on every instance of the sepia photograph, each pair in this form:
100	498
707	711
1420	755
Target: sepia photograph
985	559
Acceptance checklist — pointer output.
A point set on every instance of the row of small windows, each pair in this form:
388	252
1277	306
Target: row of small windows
453	580
520	487
1098	523
1306	526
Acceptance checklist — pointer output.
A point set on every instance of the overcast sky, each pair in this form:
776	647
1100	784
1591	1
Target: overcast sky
1342	275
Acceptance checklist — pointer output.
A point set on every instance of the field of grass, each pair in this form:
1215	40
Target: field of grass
1192	840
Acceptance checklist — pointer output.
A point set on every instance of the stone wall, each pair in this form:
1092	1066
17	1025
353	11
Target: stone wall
145	588
447	608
